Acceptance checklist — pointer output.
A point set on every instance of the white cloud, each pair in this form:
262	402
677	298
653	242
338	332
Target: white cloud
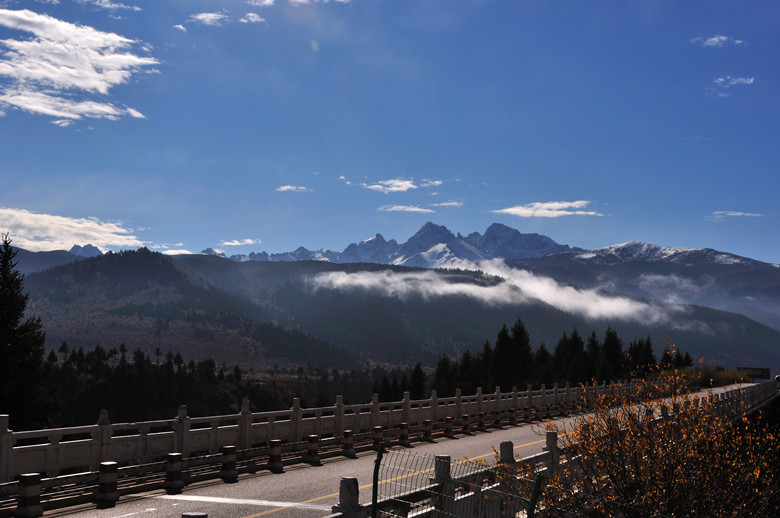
211	19
53	72
717	41
720	86
240	242
177	252
393	185
180	27
36	232
721	215
292	188
252	18
550	209
512	288
261	3
431	183
108	4
448	204
404	208
308	2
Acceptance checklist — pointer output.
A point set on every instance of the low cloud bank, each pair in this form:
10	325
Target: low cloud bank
37	232
512	287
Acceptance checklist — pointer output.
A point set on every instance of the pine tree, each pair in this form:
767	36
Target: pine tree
21	346
417	383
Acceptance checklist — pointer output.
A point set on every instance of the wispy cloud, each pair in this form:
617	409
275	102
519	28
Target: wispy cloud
513	287
393	185
214	19
252	18
36	232
240	242
180	27
404	208
292	188
398	185
717	41
108	4
456	204
550	209
260	3
720	87
722	215
64	69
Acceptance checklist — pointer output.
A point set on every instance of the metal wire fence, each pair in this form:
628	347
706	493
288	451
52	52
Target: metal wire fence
424	485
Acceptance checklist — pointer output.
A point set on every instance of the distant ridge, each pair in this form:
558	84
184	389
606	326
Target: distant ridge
430	247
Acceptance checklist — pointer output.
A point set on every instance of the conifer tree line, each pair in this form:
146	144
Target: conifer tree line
513	362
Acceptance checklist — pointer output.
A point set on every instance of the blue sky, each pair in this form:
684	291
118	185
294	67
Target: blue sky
267	125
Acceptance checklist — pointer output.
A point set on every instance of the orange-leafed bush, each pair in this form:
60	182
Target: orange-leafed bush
656	450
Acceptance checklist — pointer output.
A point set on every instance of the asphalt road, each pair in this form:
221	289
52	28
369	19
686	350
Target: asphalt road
303	491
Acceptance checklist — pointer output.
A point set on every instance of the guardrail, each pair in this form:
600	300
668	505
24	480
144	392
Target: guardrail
82	448
480	490
69	462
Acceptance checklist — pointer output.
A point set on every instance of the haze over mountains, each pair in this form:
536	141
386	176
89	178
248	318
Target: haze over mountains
437	292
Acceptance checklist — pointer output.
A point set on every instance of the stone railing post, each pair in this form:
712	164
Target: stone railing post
296	421
434	405
6	448
406	414
182	432
506	453
515	400
551	445
458	402
480	400
103	438
543	398
338	417
443	500
349	499
374	410
245	426
497	405
529	404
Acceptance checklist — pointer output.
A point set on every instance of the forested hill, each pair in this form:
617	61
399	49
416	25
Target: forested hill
261	314
144	300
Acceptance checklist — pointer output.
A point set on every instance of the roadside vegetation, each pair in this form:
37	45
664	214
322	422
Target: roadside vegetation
659	452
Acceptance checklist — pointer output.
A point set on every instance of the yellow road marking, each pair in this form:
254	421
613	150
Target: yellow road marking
366	486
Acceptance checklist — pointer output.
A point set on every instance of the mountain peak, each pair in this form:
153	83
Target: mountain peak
211	251
86	251
431	231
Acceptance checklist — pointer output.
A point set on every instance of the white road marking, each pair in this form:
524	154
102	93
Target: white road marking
242	501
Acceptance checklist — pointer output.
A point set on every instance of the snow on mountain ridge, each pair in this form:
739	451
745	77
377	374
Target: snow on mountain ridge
639	250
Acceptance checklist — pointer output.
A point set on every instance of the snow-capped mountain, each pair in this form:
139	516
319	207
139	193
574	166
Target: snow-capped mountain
430	247
639	251
679	275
